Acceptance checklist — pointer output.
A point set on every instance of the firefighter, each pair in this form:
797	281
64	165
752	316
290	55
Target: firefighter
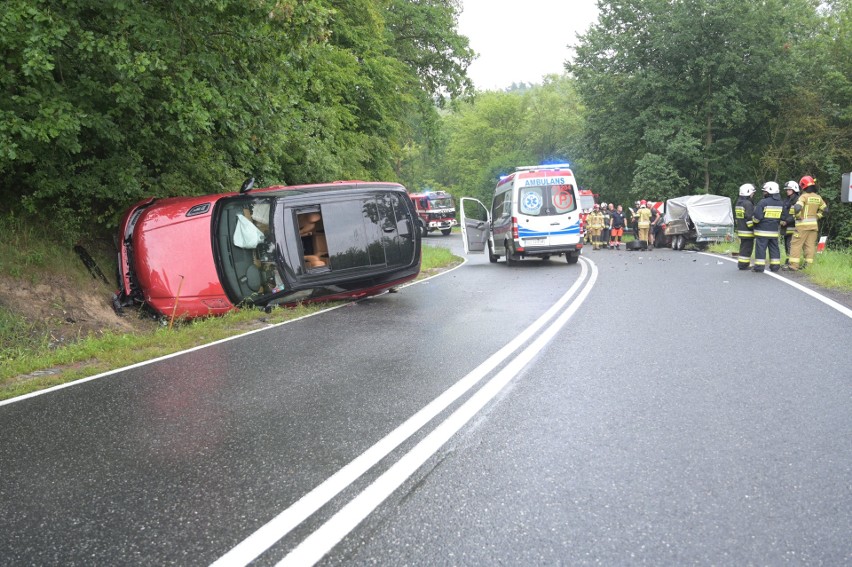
606	218
587	235
634	219
808	211
788	220
596	224
767	222
644	221
744	211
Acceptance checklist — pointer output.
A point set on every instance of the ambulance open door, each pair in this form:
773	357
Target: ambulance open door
475	225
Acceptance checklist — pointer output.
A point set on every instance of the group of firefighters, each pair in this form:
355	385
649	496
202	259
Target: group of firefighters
759	226
606	224
796	219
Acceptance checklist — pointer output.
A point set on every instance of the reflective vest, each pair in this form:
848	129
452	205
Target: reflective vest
744	211
809	210
767	217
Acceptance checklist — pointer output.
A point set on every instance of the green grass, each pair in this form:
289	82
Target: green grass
437	257
31	363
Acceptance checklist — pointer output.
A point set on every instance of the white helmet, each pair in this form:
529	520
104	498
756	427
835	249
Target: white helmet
792	185
747	190
771	188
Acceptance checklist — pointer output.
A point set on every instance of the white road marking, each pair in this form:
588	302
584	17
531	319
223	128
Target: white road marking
816	295
321	541
277	528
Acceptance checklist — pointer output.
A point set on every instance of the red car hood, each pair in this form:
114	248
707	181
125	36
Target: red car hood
173	258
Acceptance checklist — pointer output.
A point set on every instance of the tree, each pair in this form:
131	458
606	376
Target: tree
105	102
683	89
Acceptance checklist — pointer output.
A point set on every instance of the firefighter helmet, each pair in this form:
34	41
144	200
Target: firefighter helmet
597	207
747	190
770	187
792	186
806	182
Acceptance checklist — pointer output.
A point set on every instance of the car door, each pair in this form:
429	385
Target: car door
475	225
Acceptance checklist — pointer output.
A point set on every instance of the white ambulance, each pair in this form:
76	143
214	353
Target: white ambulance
535	212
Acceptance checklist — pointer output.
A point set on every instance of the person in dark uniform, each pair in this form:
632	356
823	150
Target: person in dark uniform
767	222
744	211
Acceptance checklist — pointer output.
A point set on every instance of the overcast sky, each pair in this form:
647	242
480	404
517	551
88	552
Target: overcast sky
521	40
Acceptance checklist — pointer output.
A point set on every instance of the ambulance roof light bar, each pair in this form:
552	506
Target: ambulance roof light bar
539	167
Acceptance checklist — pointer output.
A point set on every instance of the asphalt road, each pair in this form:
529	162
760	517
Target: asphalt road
668	409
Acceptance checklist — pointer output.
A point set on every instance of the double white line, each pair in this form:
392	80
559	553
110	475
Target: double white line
321	541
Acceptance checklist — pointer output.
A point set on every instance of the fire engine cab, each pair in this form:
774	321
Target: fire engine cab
436	211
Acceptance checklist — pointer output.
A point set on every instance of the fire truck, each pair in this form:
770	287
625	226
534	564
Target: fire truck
436	211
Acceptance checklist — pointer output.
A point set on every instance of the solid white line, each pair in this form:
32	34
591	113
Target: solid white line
816	295
270	533
321	541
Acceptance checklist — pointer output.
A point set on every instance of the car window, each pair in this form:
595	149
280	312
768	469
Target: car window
247	265
541	200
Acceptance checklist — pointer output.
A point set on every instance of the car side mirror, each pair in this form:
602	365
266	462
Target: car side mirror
247	185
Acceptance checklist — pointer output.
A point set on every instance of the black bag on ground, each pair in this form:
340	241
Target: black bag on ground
637	245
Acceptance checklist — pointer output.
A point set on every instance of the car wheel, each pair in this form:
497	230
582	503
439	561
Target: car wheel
446	231
572	257
545	258
491	256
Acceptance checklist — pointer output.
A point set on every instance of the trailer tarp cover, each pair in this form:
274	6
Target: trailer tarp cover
704	209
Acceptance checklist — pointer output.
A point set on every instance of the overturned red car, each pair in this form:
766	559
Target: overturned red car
280	245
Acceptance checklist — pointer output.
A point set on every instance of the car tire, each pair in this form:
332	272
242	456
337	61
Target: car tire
511	259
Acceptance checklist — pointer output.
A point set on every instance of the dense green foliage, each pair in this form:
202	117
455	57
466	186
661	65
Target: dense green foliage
487	137
103	102
704	95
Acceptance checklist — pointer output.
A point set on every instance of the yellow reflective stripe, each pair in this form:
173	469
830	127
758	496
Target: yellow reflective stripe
765	233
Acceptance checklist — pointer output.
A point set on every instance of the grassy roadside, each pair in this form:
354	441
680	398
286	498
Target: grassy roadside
30	362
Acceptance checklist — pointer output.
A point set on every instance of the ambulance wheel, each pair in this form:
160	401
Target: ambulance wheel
491	256
511	259
446	231
572	257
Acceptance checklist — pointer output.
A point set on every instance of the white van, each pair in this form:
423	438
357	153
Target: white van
535	212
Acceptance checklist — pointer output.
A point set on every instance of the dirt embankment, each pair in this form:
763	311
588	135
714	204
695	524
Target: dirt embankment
66	309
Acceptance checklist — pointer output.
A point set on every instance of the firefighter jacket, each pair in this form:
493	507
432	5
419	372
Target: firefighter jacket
644	218
767	217
596	220
744	211
809	209
788	216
